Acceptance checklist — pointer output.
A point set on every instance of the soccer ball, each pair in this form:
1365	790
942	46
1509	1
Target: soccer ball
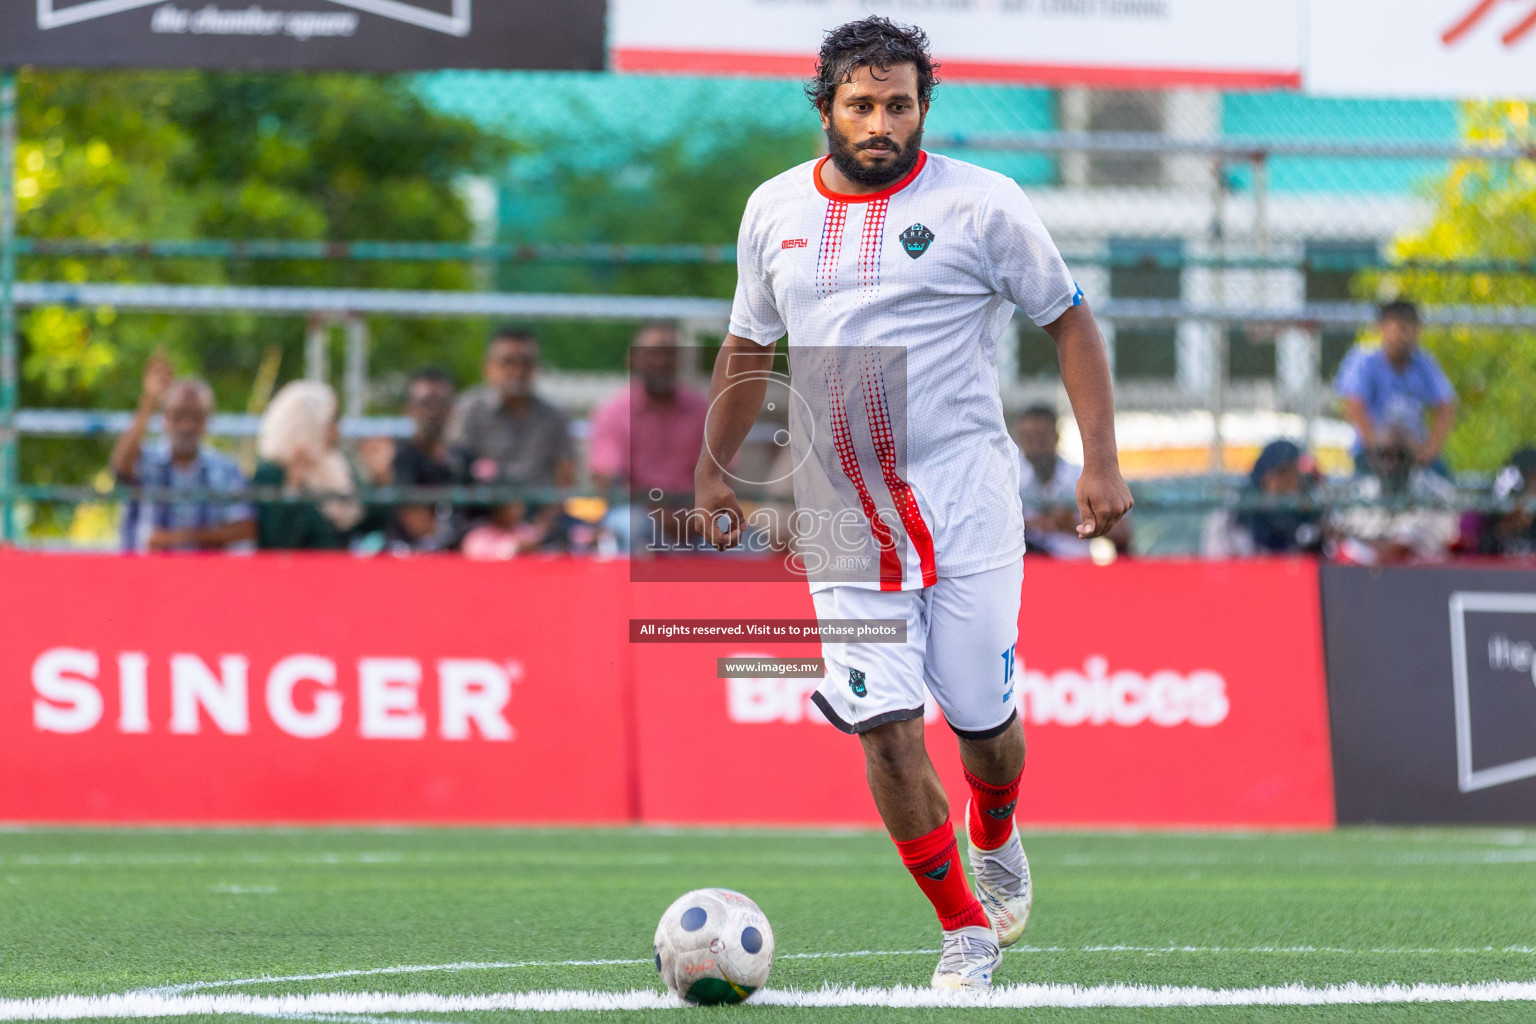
714	946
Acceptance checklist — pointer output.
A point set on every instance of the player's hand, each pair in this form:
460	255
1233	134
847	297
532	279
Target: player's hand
1102	500
713	499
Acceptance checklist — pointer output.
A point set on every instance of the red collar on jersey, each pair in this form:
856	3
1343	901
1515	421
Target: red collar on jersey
917	168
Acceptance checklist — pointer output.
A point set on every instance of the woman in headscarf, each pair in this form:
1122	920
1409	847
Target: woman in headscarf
298	445
1279	515
1276	513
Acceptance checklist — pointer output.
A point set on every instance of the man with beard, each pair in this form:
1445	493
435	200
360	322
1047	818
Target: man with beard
879	248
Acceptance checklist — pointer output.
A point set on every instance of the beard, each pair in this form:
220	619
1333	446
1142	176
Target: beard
845	155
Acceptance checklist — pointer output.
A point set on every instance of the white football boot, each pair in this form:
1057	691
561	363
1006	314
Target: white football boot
967	959
1002	884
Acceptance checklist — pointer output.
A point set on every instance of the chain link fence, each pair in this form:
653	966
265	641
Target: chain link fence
1232	245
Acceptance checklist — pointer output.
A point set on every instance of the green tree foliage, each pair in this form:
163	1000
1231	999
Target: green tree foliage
184	155
690	187
1484	211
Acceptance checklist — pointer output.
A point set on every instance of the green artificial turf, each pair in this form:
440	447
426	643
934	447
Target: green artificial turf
102	911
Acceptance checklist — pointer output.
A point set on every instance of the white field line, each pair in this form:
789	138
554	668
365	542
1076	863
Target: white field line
1515	855
508	965
473	965
135	1005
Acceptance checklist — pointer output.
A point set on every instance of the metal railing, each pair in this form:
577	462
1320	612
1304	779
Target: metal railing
1223	255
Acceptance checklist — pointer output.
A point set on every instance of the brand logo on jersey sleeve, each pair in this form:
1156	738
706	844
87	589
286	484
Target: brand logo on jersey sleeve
794	243
916	240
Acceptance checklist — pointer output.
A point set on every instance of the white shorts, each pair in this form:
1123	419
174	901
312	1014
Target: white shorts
961	636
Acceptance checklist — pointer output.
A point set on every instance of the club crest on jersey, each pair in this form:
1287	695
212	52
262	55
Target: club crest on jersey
916	240
856	682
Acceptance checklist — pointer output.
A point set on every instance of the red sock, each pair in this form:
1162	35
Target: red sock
934	861
991	817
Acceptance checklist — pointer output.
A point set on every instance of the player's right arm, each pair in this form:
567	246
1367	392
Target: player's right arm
736	392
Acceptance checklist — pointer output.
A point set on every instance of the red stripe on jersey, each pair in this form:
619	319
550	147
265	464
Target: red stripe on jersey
885	193
870	243
901	492
831	252
842	439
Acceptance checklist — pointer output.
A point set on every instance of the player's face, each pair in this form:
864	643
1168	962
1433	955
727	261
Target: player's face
874	125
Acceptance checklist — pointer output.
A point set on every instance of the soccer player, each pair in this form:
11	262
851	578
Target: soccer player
882	245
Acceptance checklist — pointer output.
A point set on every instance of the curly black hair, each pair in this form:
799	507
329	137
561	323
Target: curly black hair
874	42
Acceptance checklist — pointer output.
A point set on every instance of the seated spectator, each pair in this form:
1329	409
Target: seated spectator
1277	514
425	460
1511	532
505	533
1400	511
510	436
507	432
647	437
180	462
298	444
1395	389
1048	489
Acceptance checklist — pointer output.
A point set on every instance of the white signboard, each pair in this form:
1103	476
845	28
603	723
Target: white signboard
1109	43
1426	48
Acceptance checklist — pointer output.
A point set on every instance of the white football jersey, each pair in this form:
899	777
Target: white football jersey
931	267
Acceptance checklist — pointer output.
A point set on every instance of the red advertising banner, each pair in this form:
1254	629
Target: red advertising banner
320	688
1153	693
310	688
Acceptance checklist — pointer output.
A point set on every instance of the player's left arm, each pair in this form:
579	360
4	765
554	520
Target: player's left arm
1102	495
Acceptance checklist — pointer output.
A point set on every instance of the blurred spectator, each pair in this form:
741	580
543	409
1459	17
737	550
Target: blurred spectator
509	434
648	436
1399	511
1277	514
425	460
298	444
1048	489
505	533
1512	532
1393	389
179	462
